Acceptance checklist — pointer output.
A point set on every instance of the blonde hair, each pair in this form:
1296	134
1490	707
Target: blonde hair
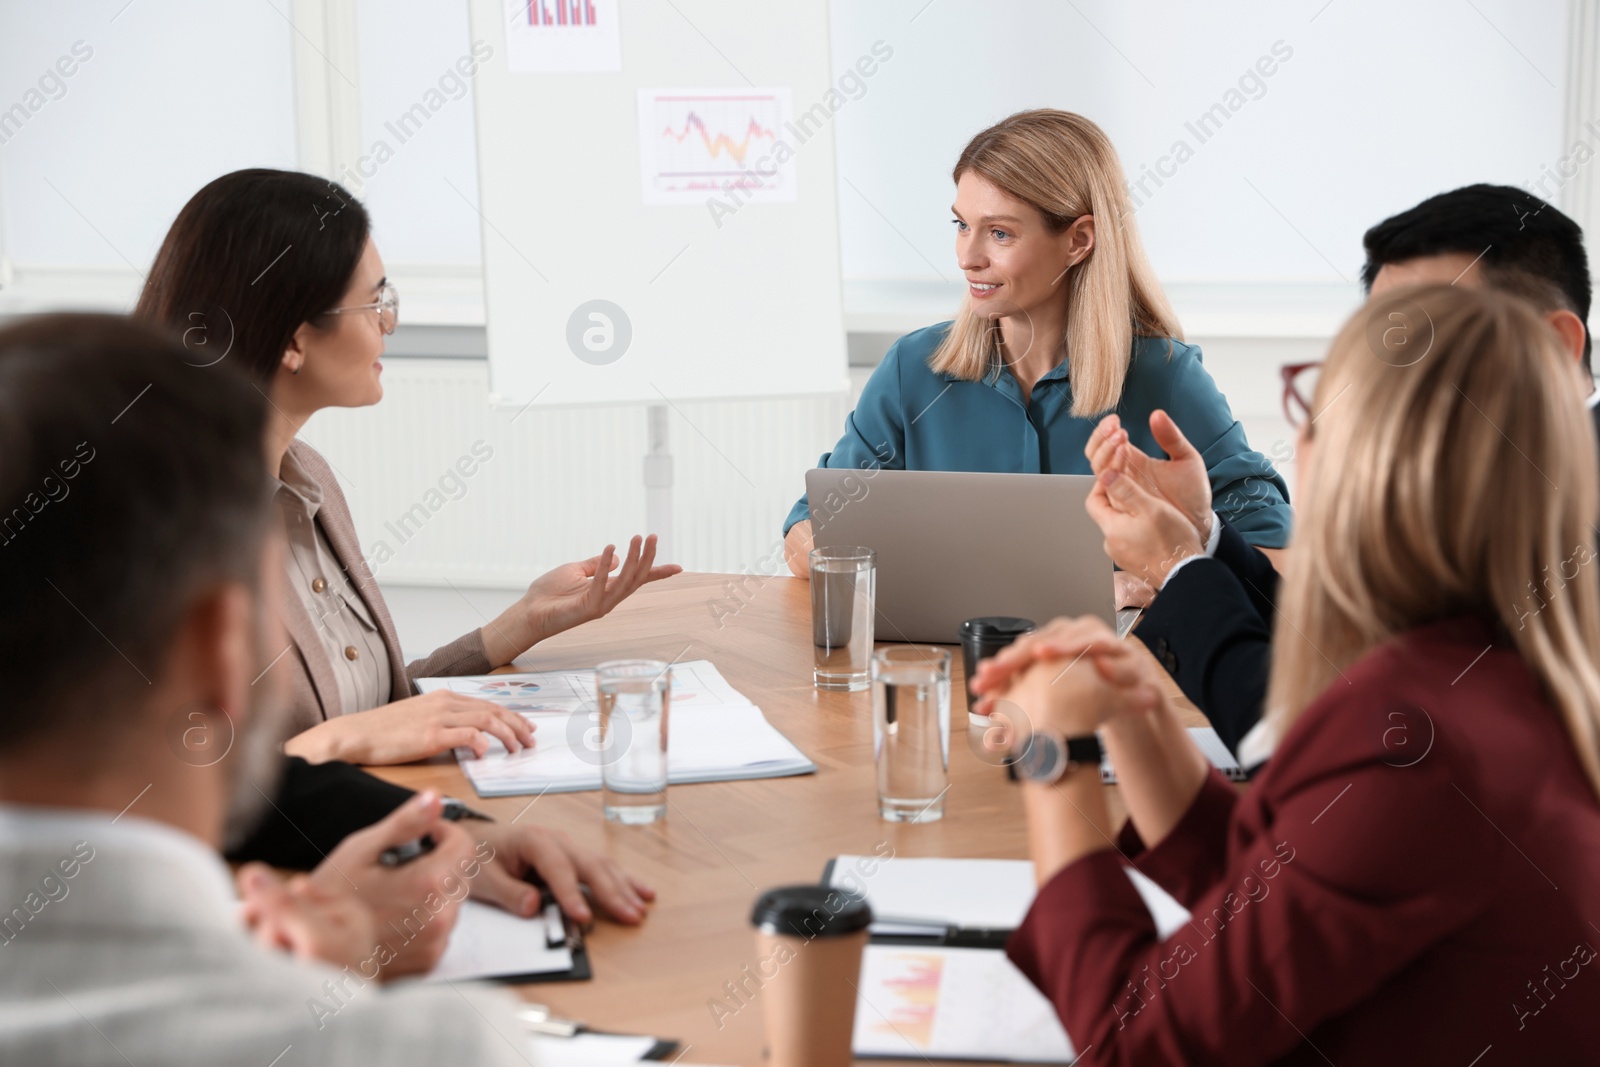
1064	166
1454	473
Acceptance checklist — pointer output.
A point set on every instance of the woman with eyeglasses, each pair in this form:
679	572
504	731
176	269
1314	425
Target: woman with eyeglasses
275	274
1062	322
1414	876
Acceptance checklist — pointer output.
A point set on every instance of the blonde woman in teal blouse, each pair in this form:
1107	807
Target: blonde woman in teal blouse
1063	324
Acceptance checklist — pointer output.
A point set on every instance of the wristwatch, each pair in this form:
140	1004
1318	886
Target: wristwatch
1050	757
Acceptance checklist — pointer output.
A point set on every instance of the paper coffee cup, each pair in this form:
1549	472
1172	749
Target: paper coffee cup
813	936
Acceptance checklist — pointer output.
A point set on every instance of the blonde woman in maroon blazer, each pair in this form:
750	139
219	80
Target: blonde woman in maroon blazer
1415	876
281	267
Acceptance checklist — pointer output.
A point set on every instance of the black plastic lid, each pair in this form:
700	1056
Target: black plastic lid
810	911
992	626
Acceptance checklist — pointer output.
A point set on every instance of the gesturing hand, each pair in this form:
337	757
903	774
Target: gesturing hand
1180	479
576	593
413	729
572	594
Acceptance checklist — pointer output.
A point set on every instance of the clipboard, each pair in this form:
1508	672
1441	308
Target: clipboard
944	935
580	971
491	945
946	960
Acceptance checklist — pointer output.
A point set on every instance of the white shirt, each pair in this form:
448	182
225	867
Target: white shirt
120	943
1212	540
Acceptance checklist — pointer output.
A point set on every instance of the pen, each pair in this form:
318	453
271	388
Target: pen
404	853
455	811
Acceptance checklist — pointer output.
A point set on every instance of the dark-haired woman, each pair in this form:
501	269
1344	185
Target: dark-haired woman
288	262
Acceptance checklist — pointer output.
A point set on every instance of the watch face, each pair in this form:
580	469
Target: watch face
1042	759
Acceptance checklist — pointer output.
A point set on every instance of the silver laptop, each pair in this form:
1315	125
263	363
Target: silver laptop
953	546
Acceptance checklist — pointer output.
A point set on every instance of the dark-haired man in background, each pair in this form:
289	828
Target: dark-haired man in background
1210	625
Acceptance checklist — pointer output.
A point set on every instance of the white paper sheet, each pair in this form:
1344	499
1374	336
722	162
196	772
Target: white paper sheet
736	145
490	943
714	732
961	1003
588	1050
953	1003
562	36
915	896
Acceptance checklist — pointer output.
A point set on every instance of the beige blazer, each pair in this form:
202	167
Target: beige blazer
313	688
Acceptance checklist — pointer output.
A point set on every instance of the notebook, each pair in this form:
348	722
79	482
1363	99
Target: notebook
715	733
935	982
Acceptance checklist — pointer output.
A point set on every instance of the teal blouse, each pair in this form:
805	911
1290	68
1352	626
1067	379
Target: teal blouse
911	418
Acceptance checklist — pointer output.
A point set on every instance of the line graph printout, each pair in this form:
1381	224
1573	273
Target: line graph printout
562	36
700	143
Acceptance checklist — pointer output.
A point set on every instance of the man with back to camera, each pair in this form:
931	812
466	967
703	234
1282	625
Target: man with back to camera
1210	626
120	938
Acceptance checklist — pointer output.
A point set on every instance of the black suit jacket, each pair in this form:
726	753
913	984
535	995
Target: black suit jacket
317	805
1211	628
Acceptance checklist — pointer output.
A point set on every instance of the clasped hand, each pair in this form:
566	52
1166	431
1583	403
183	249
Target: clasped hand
1068	677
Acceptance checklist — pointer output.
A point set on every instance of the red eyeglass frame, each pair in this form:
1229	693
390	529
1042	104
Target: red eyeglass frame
1292	396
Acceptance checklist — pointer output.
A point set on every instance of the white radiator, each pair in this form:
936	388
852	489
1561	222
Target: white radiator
558	485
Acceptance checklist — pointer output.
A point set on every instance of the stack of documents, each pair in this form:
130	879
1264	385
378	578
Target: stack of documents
935	983
715	734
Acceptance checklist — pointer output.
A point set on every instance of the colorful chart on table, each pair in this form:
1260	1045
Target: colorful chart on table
913	983
952	1003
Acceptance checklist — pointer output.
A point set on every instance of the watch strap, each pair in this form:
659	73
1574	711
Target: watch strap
1049	757
1084	750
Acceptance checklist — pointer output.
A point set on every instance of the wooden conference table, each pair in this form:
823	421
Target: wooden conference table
722	844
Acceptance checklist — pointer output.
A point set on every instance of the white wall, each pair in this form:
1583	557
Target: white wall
173	94
405	46
1379	105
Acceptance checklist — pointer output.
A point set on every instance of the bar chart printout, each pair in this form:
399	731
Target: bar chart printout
731	144
953	1003
562	36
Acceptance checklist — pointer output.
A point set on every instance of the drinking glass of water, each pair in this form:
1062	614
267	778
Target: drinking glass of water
911	731
634	696
842	610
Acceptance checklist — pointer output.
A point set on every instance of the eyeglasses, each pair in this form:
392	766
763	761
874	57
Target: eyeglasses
1299	389
387	306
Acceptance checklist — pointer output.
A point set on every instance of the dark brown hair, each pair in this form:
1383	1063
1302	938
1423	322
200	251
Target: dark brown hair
130	480
250	258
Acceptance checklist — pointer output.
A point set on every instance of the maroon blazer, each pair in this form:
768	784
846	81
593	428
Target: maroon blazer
1413	879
